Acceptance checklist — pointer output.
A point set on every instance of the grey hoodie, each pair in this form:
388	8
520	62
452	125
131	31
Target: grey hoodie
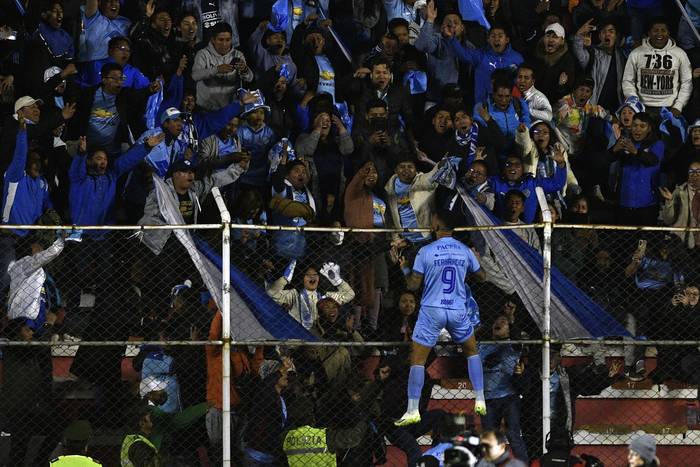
215	90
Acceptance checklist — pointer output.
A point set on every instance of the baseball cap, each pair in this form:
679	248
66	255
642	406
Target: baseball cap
151	384
170	113
25	101
183	166
557	29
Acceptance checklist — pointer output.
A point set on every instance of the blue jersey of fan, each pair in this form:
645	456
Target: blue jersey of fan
444	264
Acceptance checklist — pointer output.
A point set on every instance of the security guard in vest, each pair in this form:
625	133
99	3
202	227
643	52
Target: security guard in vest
75	445
137	448
308	446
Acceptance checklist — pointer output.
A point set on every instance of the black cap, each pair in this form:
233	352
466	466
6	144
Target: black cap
183	166
585	81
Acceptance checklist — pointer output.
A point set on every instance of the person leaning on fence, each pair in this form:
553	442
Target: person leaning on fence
302	304
293	205
411	199
187	192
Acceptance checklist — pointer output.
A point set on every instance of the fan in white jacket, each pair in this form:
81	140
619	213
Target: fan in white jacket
27	279
658	72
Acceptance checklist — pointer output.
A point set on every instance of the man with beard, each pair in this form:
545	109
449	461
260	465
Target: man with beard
606	62
555	64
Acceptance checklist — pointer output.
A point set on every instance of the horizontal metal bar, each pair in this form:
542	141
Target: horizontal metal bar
625	227
297	343
112	227
104	343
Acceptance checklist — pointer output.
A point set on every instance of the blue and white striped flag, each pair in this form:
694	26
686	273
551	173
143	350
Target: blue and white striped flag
573	314
254	315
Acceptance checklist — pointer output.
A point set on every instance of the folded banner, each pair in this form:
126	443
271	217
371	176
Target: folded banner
572	313
254	316
473	10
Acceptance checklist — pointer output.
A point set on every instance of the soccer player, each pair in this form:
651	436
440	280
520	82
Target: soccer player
444	264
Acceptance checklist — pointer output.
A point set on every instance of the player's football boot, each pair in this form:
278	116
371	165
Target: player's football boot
409	418
480	408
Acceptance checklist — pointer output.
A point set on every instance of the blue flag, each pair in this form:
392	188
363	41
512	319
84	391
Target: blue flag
279	19
153	106
473	10
417	81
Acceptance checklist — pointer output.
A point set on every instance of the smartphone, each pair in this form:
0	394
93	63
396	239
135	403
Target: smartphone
236	60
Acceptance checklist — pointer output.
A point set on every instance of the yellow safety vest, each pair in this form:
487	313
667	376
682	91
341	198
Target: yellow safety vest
74	461
129	440
306	447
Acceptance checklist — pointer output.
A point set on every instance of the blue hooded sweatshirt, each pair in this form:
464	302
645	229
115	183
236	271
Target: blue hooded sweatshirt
24	198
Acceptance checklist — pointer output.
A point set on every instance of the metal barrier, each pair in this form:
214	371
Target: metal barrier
107	329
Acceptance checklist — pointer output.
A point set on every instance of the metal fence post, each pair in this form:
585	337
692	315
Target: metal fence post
546	277
226	326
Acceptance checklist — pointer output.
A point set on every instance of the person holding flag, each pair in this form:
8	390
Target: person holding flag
443	265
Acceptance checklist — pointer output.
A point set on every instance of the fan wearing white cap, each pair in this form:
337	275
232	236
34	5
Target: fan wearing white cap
555	64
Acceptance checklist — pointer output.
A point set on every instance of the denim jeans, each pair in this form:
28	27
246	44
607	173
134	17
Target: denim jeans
507	408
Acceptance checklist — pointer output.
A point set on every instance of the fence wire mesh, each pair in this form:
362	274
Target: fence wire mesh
105	331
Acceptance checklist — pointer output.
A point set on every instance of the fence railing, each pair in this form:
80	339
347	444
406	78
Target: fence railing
98	323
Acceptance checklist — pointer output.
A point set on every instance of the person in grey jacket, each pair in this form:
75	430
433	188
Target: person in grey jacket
219	70
187	191
606	62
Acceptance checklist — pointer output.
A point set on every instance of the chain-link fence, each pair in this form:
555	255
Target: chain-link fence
100	328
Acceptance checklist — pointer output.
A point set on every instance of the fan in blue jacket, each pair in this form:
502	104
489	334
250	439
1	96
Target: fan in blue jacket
93	185
508	112
513	178
25	194
497	54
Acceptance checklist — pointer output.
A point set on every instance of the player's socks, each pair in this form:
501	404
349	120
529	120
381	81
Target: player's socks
416	378
476	376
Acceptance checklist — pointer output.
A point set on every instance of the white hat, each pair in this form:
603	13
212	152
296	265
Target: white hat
50	72
695	124
25	101
151	384
557	29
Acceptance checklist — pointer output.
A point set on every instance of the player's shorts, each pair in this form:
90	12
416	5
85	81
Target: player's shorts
432	320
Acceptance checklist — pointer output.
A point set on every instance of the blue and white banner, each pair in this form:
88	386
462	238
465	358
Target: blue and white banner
254	315
573	314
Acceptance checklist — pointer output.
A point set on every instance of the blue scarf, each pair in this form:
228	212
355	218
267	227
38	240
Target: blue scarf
471	140
58	41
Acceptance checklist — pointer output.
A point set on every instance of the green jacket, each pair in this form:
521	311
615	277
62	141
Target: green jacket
165	424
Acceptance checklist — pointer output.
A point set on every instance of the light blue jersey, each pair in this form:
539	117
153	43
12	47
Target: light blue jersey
444	265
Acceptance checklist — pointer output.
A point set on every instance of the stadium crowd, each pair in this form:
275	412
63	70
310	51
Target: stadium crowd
332	113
